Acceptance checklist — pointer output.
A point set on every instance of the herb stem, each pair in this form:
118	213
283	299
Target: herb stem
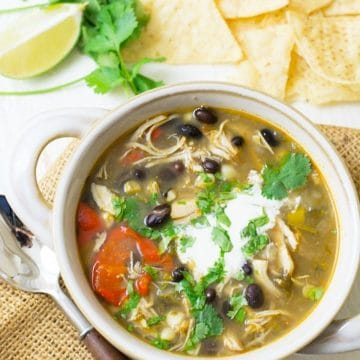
126	74
41	91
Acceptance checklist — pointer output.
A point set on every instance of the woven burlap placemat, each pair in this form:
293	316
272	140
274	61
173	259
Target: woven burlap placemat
33	328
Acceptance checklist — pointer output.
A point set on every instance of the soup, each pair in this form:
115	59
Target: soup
207	232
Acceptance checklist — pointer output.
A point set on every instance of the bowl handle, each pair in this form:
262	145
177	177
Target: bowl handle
340	336
21	186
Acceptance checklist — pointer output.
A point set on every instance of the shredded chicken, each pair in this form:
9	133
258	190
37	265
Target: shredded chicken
232	343
261	276
284	257
103	197
288	234
259	140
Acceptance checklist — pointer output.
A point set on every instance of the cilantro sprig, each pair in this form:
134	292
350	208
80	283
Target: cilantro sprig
291	174
237	311
107	26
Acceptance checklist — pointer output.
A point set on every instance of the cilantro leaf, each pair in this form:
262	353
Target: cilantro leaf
119	205
107	26
255	244
152	271
186	242
291	174
155	320
221	217
238	311
161	343
220	237
130	304
200	222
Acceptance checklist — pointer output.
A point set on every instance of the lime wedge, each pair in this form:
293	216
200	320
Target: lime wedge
39	40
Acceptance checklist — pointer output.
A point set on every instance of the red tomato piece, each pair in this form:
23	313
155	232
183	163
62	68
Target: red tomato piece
142	284
89	223
110	264
132	156
156	134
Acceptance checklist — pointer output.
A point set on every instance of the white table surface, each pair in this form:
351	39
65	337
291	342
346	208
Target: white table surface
15	113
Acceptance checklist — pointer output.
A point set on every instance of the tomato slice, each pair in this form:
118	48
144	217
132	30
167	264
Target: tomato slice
89	223
132	156
112	259
110	264
142	284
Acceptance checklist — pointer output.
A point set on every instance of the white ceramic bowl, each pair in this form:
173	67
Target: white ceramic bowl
97	137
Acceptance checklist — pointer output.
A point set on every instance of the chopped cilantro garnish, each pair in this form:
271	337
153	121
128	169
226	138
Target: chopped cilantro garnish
119	206
106	27
200	222
130	304
161	343
256	242
155	320
130	287
313	293
130	328
153	200
237	311
208	323
291	174
186	242
221	238
221	217
152	271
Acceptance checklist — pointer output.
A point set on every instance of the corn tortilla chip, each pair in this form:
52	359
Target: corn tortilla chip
185	33
305	85
308	6
232	9
269	50
257	22
330	45
343	7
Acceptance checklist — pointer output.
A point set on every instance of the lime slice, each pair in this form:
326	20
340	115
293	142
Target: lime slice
39	40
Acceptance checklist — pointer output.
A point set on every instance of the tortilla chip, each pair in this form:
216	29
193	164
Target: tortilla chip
305	85
232	9
330	45
343	7
245	74
308	6
185	33
269	50
257	22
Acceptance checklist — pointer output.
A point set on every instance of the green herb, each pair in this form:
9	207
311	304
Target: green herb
221	217
200	222
220	237
256	242
161	343
238	311
130	287
130	328
208	323
108	25
291	174
130	304
119	206
152	271
186	242
155	320
216	274
313	293
240	276
153	200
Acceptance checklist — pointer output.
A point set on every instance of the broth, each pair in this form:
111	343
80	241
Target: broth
207	232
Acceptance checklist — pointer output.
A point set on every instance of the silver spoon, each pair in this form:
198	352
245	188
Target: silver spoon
33	268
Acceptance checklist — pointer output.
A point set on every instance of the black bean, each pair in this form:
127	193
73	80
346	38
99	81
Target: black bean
178	273
226	307
210	347
270	136
189	131
179	166
210	166
210	295
254	296
205	115
139	174
158	215
247	269
238	141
